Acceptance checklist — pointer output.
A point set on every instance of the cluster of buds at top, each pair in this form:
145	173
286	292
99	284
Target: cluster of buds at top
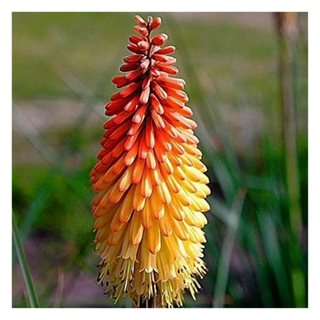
150	180
148	69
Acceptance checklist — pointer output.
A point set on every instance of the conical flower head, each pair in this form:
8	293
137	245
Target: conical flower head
150	181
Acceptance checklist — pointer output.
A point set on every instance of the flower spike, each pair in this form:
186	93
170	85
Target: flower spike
150	181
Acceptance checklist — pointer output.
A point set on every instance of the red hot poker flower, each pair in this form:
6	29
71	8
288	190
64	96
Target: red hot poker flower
150	180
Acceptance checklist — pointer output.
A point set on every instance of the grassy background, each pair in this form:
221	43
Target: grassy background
63	64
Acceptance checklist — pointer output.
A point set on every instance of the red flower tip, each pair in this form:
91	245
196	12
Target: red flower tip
156	23
160	39
140	21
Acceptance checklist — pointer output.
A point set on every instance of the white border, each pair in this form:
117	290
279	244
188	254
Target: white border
161	6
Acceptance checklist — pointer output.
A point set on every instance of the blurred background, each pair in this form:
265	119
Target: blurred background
247	81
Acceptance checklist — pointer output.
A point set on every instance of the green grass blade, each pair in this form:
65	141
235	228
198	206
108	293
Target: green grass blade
275	257
263	281
35	209
33	213
32	134
225	260
32	297
287	44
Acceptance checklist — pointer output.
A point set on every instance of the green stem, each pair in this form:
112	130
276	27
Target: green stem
287	46
289	133
24	264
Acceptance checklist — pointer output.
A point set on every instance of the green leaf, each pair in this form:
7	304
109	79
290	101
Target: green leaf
32	297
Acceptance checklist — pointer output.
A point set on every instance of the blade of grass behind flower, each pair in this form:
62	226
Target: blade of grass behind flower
26	127
226	251
36	207
220	211
212	248
34	211
32	297
248	230
275	257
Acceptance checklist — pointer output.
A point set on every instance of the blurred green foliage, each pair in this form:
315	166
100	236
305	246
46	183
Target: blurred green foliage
65	62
